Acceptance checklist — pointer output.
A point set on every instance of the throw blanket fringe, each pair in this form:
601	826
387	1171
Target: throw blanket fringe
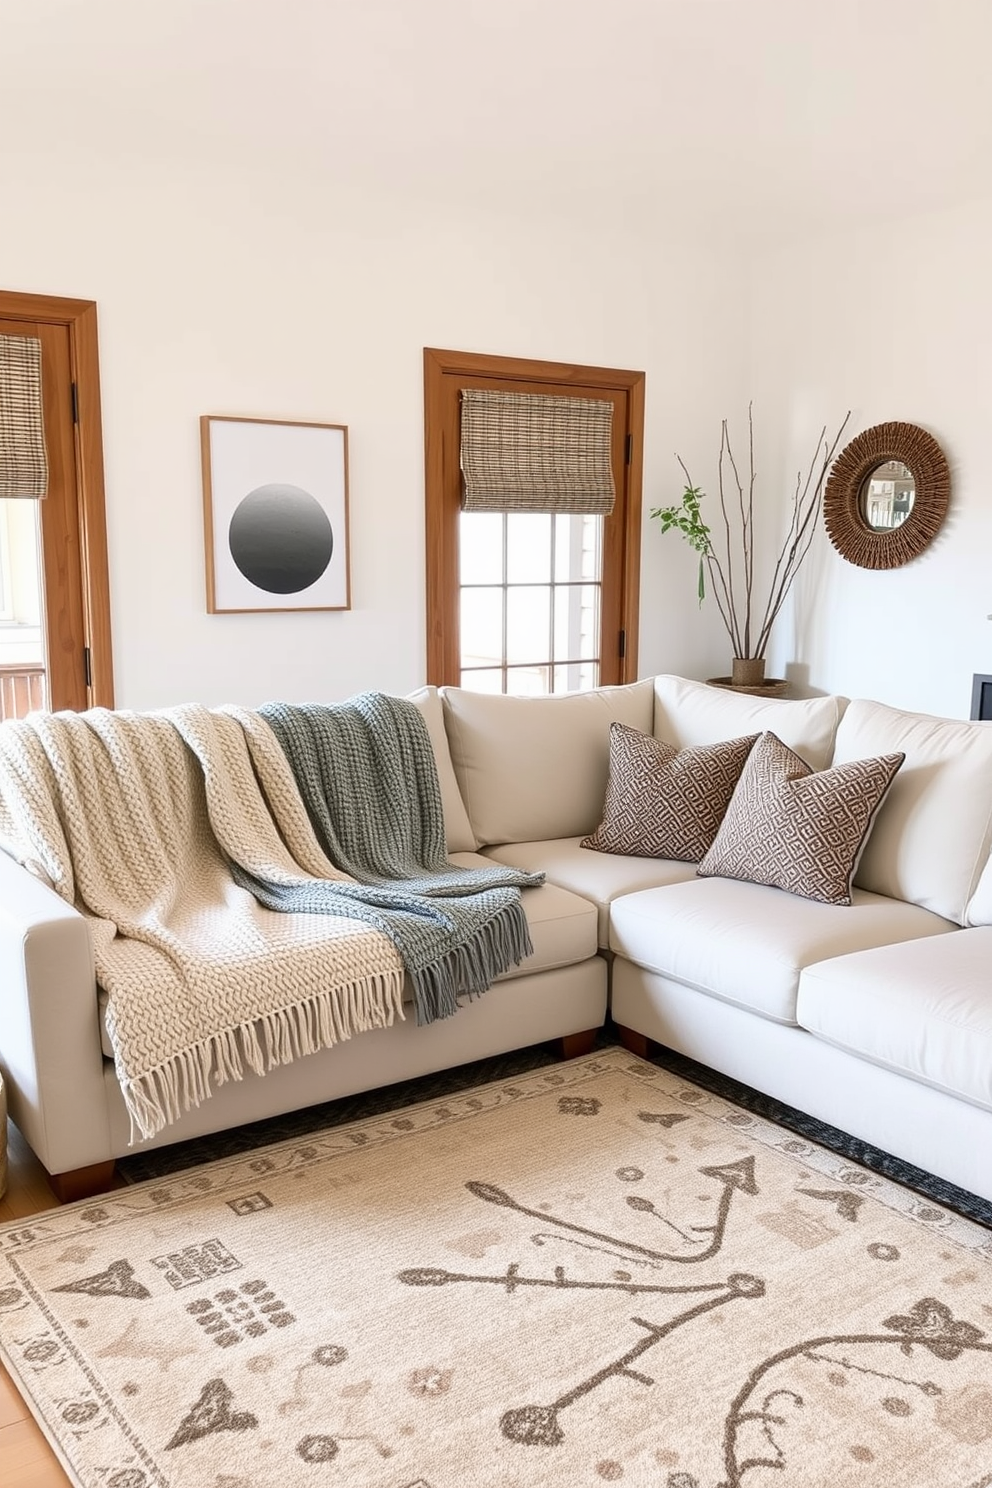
471	968
161	1095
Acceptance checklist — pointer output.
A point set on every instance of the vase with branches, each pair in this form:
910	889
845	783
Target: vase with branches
727	555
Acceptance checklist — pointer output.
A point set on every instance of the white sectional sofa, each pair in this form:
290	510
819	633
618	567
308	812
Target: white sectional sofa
875	1017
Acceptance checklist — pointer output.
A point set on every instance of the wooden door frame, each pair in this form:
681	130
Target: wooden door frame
442	493
79	318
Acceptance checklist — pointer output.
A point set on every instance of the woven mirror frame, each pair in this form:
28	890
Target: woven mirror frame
843	497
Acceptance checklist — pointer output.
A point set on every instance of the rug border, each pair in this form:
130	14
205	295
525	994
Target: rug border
895	1195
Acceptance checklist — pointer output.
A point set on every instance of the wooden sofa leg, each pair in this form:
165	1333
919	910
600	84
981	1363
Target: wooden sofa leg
637	1043
82	1183
574	1045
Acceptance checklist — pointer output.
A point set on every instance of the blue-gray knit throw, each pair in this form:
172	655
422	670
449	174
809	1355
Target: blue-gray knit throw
366	771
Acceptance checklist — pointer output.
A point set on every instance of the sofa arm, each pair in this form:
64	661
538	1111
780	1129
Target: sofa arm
49	1024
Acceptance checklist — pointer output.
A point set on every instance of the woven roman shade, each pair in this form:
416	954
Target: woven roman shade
23	462
531	452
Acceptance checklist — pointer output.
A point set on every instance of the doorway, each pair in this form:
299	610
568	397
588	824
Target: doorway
55	644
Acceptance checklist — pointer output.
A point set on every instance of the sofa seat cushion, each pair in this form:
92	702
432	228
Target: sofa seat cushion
923	1010
598	877
562	925
746	943
563	931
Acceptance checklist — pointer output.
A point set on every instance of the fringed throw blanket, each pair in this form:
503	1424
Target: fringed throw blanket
111	808
368	778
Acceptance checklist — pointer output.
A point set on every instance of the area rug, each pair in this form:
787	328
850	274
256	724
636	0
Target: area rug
596	1273
160	1162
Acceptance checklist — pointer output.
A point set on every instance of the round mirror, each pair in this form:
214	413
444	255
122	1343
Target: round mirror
886	496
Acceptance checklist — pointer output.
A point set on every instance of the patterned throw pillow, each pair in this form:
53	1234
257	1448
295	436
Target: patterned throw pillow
799	829
663	802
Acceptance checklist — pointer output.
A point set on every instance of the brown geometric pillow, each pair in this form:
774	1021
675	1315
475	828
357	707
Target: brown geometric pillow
799	829
663	802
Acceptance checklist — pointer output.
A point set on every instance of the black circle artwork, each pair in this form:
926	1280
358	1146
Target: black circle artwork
280	538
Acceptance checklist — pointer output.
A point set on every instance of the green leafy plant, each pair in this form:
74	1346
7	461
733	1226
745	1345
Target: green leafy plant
730	561
686	519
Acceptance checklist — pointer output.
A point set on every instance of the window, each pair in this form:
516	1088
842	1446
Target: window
55	635
525	601
530	601
6	598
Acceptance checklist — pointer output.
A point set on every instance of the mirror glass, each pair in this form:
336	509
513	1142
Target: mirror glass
887	496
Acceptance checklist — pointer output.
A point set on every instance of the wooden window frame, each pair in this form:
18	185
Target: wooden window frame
443	371
79	317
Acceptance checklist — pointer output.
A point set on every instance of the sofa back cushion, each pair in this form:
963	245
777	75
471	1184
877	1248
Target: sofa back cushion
980	905
535	768
688	713
931	839
458	833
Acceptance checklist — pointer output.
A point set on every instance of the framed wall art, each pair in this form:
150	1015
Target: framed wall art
981	695
275	515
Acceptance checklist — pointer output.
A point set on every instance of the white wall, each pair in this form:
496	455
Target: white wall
894	323
257	291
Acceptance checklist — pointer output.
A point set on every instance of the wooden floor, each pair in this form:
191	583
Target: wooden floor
26	1459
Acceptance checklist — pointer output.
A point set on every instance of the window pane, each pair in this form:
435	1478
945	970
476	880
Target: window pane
576	622
528	623
487	680
592	547
482	627
578	677
23	683
528	681
480	547
528	548
578	543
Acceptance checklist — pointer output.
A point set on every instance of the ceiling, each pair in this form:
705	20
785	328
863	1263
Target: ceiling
741	120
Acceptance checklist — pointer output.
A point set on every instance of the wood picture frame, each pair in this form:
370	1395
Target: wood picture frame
275	515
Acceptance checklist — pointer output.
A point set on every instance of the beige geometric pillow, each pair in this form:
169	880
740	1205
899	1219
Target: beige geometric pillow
663	802
798	829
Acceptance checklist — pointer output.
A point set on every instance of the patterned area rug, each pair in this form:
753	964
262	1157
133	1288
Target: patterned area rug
592	1273
160	1162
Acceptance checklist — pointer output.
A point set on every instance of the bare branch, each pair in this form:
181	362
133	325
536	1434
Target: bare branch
719	587
787	554
806	513
722	604
747	554
736	634
806	506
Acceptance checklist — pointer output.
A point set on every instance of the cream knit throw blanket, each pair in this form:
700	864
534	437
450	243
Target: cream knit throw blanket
117	813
